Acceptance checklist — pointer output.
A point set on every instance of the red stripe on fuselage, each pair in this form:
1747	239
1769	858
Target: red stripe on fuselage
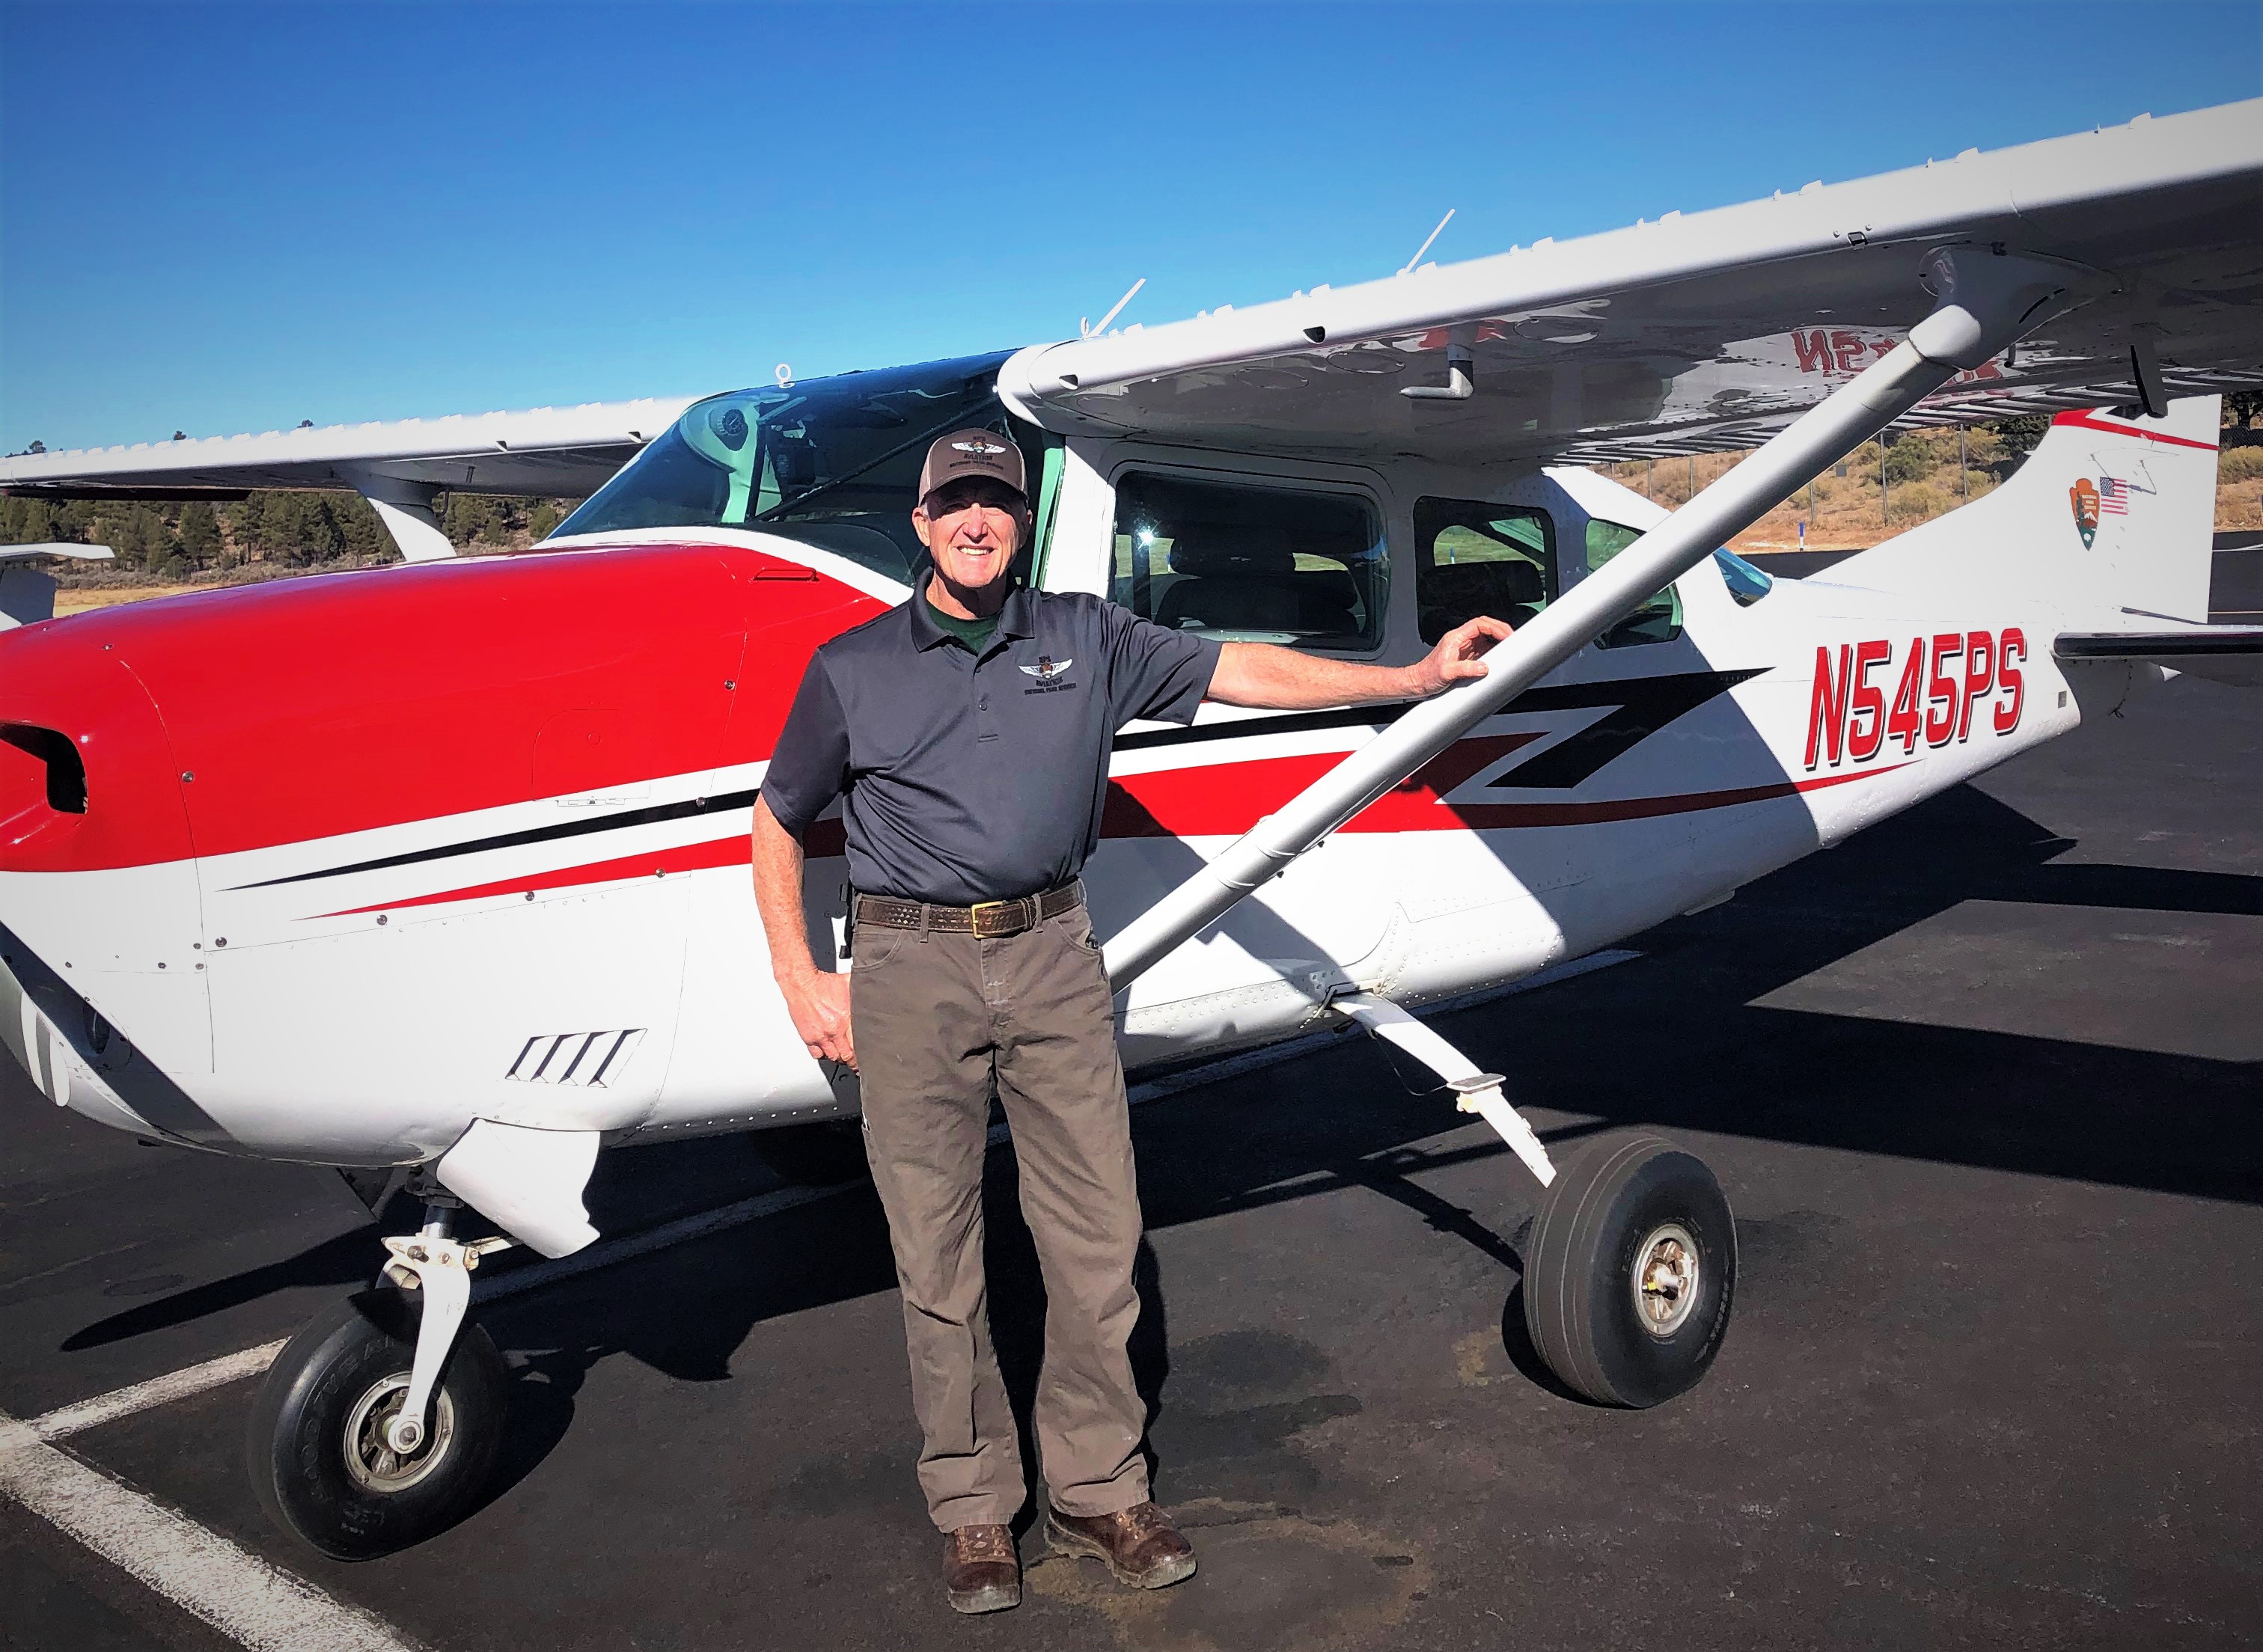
1218	800
1226	799
2092	422
686	857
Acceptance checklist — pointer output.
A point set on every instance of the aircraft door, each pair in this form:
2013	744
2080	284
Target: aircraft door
1237	558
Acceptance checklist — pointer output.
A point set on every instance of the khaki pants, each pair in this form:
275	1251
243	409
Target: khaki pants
939	1017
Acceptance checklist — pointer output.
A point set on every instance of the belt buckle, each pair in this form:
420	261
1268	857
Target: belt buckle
974	913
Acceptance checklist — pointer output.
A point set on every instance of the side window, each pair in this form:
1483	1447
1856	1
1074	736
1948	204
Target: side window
1478	559
1659	619
1247	564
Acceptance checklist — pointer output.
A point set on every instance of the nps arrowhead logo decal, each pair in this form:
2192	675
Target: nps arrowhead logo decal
2084	496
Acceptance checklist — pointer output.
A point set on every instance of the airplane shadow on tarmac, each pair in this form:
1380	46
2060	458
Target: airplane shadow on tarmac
1675	1040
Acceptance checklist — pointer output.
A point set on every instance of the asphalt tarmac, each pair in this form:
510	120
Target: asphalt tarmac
1983	1085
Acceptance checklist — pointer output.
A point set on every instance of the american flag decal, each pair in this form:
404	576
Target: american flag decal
2113	496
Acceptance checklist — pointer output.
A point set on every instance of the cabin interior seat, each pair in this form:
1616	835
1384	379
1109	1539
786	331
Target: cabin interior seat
1246	578
1451	593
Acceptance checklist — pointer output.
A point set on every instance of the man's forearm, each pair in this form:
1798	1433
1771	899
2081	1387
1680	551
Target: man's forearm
1282	679
777	896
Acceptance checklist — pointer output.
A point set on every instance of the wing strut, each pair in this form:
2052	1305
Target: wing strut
1983	303
405	507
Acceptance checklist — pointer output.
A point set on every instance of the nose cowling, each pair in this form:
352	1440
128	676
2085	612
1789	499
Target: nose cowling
87	777
97	882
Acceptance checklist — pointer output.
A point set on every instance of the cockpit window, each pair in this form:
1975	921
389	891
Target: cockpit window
833	463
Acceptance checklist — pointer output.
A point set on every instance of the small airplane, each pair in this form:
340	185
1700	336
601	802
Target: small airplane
439	871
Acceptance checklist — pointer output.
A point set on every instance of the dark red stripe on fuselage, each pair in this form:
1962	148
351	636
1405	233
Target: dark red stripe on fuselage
1224	800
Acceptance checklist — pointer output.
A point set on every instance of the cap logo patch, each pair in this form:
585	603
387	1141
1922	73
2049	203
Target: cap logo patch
987	450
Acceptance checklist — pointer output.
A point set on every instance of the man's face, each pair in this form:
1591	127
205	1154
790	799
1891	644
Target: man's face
971	527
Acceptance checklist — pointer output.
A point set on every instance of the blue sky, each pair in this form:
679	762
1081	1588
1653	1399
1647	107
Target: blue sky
216	219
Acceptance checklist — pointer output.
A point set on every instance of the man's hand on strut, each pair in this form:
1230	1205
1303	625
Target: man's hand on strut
1457	654
818	1004
1287	679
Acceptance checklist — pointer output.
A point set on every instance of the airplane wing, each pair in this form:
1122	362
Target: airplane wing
566	451
26	594
399	467
1710	330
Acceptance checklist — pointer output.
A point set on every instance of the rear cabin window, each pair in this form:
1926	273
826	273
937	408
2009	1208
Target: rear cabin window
1249	563
1479	559
1658	620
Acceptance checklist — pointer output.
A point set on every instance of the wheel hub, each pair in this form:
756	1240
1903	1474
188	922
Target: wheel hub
370	1456
1666	1278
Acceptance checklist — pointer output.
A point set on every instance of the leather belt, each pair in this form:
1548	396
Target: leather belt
989	919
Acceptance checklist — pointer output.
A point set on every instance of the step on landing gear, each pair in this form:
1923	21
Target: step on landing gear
378	1423
1631	1271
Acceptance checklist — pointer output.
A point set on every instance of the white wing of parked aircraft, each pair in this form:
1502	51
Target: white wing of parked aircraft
398	466
27	593
1712	329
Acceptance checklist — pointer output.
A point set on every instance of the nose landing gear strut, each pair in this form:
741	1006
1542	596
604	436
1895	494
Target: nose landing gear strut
378	1423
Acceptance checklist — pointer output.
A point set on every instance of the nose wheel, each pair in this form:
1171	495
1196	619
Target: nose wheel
378	1424
1630	1272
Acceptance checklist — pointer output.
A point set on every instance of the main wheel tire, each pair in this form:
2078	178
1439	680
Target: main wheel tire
1631	1271
316	1435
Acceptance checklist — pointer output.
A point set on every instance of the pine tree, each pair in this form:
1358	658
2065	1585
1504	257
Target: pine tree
199	534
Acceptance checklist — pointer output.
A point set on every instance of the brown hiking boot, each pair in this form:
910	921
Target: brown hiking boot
1141	1547
980	1570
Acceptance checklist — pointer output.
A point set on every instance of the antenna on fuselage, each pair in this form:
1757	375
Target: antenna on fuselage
1088	329
1408	267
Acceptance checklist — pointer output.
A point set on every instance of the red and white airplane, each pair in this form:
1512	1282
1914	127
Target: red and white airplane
443	868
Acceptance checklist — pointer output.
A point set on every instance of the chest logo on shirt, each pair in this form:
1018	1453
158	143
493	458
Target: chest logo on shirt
1052	675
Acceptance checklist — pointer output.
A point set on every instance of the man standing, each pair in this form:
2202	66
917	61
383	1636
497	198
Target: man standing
968	734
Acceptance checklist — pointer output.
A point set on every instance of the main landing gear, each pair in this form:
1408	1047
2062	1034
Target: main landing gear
1632	1268
378	1425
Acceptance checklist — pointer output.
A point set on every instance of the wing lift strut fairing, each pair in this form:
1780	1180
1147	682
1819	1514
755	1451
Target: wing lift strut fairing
1629	1337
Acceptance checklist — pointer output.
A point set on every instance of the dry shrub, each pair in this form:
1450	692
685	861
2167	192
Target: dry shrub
2240	464
1917	501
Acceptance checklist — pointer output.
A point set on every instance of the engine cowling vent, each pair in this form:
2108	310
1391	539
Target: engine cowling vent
593	1060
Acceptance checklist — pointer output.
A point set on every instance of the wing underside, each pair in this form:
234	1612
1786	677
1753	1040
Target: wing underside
1715	329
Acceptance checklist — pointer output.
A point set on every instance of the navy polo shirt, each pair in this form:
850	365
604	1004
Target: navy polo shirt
966	778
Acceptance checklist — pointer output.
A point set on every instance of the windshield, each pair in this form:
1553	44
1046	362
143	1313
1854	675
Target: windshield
833	462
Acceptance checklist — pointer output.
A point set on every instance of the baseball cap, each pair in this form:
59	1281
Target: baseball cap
972	453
